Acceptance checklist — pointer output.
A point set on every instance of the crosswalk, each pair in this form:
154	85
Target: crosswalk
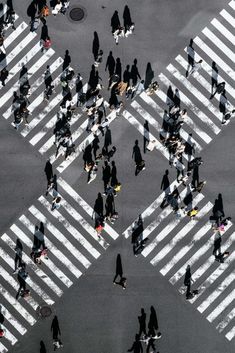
215	44
73	246
23	48
173	242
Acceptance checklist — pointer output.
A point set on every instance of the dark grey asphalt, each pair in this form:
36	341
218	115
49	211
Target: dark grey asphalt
93	314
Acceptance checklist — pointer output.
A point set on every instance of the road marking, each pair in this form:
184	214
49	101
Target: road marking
211	260
204	47
87	208
196	256
182	233
219	290
72	230
221	307
230	334
216	41
223	30
197	94
160	111
17	306
52	267
12	320
230	19
41	274
183	251
64	241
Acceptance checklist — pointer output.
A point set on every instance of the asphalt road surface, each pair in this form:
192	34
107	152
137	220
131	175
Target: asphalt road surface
76	280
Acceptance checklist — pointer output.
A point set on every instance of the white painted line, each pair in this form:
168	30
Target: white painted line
221	326
12	281
88	228
184	250
211	260
87	208
194	258
204	83
216	41
66	163
197	94
52	267
34	267
208	70
3	349
17	306
56	64
194	109
9	336
204	47
72	230
145	114
9	94
50	106
160	111
232	4
59	236
159	147
216	293
182	233
230	334
150	209
17	49
223	30
230	19
12	320
152	226
221	307
3	11
14	34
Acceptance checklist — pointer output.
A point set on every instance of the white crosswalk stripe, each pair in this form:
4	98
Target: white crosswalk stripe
230	19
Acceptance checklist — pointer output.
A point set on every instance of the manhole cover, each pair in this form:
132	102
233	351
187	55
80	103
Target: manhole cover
77	14
44	311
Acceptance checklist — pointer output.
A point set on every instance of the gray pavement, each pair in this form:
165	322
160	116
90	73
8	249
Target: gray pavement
106	316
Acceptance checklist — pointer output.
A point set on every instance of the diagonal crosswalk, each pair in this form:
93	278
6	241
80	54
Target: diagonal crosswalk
73	246
69	231
174	242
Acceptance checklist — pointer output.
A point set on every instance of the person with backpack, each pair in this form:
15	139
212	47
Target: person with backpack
45	12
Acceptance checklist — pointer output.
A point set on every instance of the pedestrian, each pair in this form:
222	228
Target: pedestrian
138	90
110	208
137	346
119	271
67	60
113	180
115	22
42	347
135	73
142	322
193	213
153	322
197	66
22	275
55	328
217	244
10	18
18	255
46	44
3	76
56	203
49	174
195	177
187	282
165	181
191	56
106	175
220	88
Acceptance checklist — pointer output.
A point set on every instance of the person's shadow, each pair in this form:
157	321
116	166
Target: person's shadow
42	347
98	210
107	139
95	45
115	22
176	98
136	155
149	75
170	97
127	18
146	136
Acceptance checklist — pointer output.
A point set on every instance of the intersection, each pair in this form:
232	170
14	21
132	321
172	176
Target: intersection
75	250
